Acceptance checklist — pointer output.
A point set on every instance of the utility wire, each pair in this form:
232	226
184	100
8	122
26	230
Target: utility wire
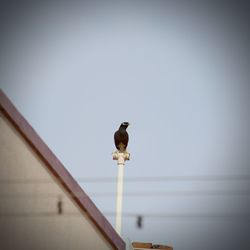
244	216
137	179
133	194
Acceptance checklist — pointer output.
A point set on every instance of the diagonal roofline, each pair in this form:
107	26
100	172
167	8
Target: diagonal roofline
59	171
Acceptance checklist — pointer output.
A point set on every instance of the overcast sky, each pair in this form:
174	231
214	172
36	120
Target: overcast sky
179	73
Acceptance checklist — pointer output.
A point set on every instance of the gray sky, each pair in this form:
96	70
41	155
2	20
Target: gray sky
177	72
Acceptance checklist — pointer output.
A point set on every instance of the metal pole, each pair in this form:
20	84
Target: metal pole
121	157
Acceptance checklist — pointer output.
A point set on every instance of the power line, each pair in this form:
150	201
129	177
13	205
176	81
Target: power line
188	215
134	194
244	216
170	178
137	179
178	193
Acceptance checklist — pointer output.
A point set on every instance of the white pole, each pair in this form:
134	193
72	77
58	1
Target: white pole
121	157
118	222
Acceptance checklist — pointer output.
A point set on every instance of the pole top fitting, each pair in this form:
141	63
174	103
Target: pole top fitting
121	157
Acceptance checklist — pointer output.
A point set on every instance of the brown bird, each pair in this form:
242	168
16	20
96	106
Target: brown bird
121	137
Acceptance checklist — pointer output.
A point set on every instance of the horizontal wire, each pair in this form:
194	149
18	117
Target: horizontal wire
136	179
146	215
170	178
131	194
186	215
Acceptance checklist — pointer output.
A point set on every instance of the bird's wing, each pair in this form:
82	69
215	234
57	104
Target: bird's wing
121	140
117	139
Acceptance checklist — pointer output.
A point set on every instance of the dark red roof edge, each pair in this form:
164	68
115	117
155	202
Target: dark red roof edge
58	170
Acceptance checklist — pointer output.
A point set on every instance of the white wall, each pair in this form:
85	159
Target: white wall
28	203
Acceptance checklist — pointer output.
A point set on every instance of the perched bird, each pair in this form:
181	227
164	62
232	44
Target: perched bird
121	137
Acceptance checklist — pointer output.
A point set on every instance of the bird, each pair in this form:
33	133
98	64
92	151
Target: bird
121	137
